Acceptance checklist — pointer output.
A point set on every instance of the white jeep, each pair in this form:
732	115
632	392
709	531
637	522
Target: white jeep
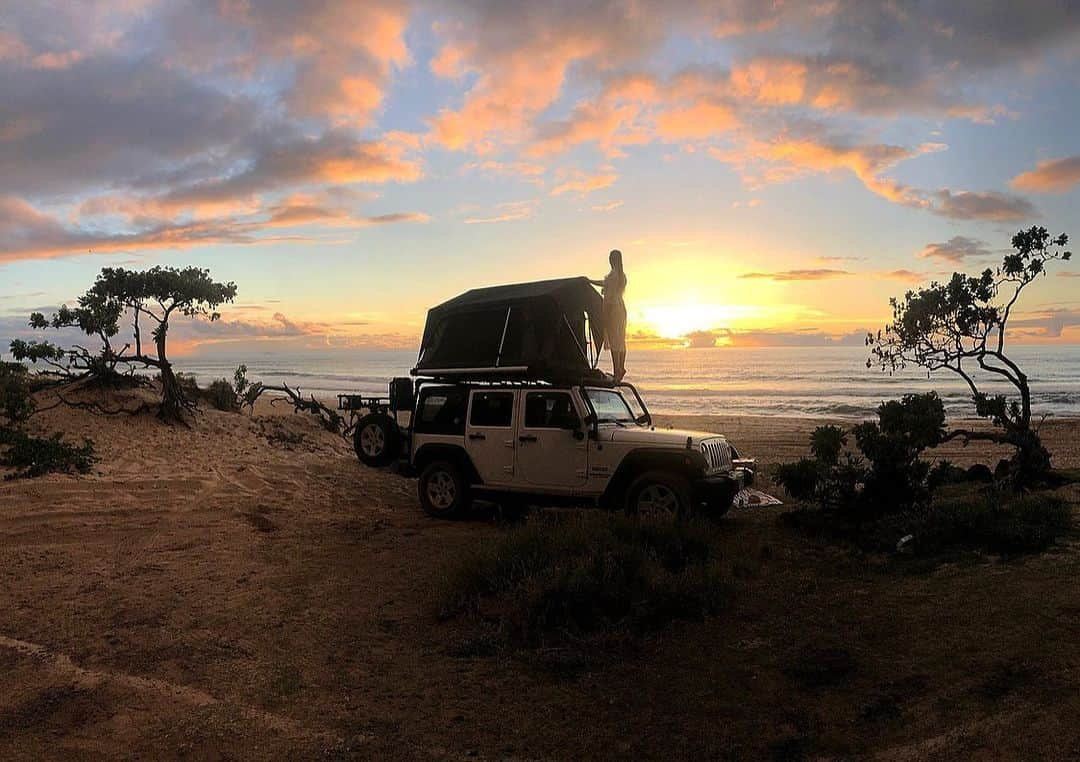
525	443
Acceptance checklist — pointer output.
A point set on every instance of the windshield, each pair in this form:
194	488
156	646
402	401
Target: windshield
610	406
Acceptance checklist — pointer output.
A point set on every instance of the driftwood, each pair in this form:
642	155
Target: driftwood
330	419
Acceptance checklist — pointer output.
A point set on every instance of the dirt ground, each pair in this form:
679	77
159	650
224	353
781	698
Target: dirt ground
245	589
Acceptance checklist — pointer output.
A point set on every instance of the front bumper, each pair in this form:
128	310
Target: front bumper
718	490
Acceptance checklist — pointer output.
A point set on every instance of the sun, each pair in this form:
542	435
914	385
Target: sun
675	321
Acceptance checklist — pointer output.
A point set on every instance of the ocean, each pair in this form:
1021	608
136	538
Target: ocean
814	382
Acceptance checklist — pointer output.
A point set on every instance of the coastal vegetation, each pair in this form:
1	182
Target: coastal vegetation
28	456
149	298
962	327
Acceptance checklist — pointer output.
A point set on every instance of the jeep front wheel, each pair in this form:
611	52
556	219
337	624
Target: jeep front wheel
443	491
659	494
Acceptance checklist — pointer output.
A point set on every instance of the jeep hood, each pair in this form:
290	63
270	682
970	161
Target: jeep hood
656	437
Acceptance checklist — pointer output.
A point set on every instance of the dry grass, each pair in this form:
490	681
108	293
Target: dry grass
147	613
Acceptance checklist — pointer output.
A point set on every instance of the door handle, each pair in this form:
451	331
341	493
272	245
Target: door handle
477	436
527	438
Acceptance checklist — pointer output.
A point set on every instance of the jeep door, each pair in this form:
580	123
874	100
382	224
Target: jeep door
552	449
489	434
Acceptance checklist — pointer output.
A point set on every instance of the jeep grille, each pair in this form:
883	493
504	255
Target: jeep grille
717	454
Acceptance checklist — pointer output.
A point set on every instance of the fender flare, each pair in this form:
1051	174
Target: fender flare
684	462
445	451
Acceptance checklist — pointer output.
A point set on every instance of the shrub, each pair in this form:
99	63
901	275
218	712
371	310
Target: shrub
35	456
588	574
991	521
222	395
16	401
187	382
967	518
890	478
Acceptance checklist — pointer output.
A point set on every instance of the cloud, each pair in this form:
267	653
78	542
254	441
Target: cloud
608	207
28	233
700	120
506	212
334	157
583	183
796	275
702	339
139	123
787	276
1049	323
1052	176
908	276
108	121
956	249
986	205
151	124
521	57
725	337
527	171
338	54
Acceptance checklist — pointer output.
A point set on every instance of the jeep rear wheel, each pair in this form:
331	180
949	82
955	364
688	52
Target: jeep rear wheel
443	491
657	494
377	440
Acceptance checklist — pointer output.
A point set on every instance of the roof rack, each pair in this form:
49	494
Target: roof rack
516	374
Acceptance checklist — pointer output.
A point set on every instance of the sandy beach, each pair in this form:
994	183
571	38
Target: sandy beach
245	588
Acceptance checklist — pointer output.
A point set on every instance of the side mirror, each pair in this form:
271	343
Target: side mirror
643	420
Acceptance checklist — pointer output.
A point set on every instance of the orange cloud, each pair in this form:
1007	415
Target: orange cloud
583	184
342	51
796	275
1051	176
770	81
27	233
506	212
700	120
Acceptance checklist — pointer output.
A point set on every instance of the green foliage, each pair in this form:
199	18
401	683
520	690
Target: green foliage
16	401
801	478
968	518
222	396
889	478
247	392
190	291
153	295
990	521
36	351
826	444
35	456
588	574
188	383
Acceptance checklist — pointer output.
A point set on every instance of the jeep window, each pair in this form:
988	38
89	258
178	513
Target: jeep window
492	409
441	410
610	406
550	410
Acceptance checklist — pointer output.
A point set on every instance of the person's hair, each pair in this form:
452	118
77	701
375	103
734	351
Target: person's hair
615	257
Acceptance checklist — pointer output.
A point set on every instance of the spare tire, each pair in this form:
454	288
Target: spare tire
377	440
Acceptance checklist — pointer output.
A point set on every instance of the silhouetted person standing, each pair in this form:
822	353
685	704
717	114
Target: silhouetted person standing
614	285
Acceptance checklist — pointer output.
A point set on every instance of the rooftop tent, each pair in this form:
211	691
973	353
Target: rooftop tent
546	329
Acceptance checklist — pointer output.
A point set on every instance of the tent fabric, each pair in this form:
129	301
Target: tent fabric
533	330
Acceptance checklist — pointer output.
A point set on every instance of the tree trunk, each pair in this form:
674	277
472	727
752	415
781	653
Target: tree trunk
1028	465
173	401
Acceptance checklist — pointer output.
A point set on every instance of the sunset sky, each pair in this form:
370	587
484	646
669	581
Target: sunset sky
773	172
